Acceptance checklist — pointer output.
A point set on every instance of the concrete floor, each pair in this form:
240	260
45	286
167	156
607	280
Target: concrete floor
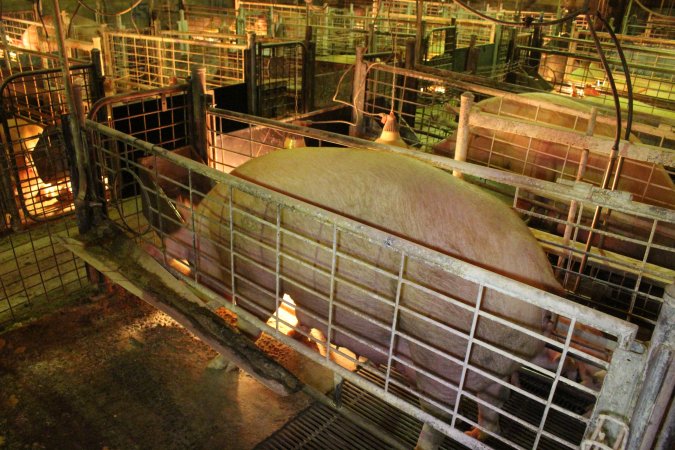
115	373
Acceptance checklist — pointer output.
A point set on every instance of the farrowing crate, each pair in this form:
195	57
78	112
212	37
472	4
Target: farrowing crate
609	343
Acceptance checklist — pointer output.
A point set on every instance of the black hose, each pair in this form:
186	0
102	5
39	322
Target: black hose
72	20
42	20
624	65
610	77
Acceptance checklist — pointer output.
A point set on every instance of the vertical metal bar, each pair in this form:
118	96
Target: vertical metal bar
467	356
619	388
581	171
251	74
331	295
419	37
277	263
462	143
497	45
394	322
626	16
636	289
198	93
196	258
308	70
231	218
358	93
80	201
554	385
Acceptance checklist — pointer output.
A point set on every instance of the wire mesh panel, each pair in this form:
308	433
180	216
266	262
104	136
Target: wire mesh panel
38	168
159	116
27	14
651	68
410	309
273	20
339	32
24	46
140	61
235	138
206	19
647	181
34	269
279	70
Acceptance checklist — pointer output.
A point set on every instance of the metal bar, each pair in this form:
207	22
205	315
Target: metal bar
467	356
198	91
331	296
277	263
463	136
394	322
584	192
251	77
598	144
358	93
657	69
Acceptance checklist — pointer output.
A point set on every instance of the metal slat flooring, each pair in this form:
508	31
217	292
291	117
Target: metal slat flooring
322	427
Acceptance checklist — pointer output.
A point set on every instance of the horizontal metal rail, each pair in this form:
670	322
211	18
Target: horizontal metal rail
582	192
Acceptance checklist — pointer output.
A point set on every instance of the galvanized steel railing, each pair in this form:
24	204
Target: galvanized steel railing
119	164
142	61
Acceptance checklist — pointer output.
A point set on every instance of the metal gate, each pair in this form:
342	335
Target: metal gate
36	198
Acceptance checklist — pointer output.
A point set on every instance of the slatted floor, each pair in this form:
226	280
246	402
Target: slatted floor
321	427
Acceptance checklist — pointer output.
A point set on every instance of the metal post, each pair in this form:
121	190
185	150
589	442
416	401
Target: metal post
581	171
251	73
408	87
497	45
626	17
82	207
558	15
657	389
613	156
7	179
308	69
472	56
462	143
198	94
96	76
358	93
420	30
534	57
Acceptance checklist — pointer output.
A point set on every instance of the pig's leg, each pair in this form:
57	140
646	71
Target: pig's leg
495	394
429	439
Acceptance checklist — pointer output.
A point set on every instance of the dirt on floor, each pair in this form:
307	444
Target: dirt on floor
114	373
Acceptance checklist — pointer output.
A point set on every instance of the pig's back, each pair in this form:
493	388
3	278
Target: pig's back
412	199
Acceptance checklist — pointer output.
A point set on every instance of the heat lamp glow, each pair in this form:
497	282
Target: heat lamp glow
288	321
285	316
